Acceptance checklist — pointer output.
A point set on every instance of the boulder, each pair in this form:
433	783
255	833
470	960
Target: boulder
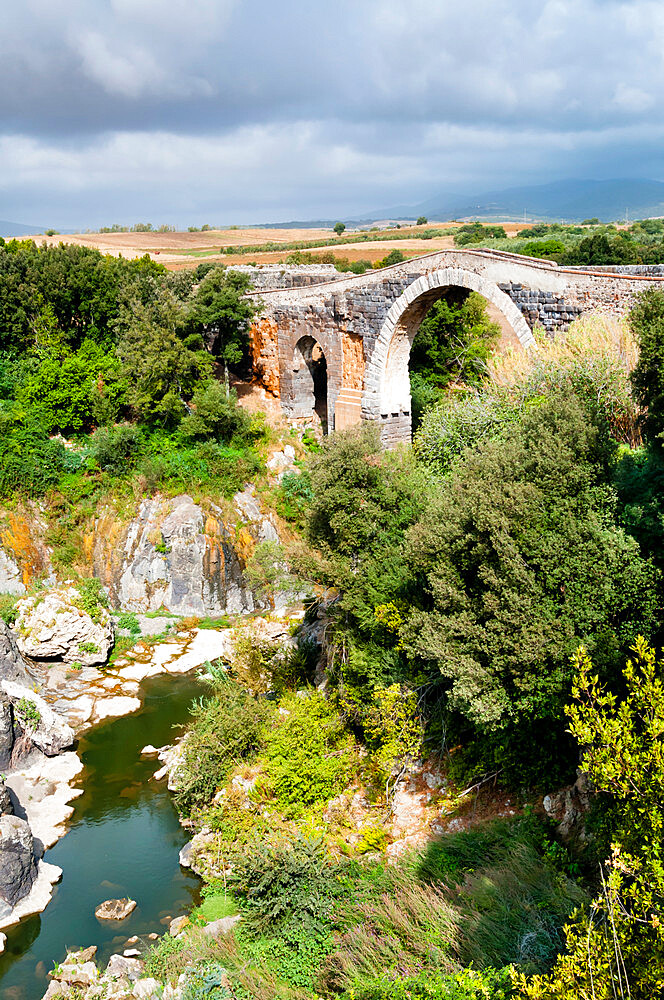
115	909
3	941
6	807
222	926
37	719
185	556
11	577
54	627
13	666
177	925
79	957
6	731
569	807
119	966
146	989
18	869
74	974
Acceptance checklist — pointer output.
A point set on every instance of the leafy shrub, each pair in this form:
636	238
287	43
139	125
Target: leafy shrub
225	730
308	753
293	496
129	622
216	414
468	984
510	550
28	713
92	598
288	888
8	610
30	463
646	321
117	449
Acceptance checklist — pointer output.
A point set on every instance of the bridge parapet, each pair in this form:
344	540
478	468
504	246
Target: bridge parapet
365	324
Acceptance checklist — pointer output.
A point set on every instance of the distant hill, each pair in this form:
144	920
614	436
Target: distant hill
16	229
572	200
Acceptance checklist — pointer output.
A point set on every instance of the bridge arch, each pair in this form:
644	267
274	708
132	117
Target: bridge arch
387	393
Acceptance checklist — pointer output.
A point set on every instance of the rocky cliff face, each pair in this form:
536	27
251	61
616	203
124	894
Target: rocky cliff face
180	555
173	553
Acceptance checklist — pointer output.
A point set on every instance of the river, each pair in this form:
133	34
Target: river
122	840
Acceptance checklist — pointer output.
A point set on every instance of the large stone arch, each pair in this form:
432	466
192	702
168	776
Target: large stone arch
387	383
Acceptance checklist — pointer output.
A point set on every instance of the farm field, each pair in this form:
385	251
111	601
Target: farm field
178	250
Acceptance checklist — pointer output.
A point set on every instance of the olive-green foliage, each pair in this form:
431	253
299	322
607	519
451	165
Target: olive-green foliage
267	572
221	314
161	369
617	950
364	500
308	753
468	984
117	449
463	421
287	895
293	497
597	379
226	729
74	289
8	610
647	322
215	414
509	554
92	597
475	232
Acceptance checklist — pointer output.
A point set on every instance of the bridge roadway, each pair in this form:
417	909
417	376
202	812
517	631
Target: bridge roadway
340	348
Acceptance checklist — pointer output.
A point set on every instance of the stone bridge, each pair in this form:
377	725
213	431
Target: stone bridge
340	349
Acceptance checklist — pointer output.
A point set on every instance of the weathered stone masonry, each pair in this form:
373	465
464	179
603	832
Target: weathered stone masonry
365	324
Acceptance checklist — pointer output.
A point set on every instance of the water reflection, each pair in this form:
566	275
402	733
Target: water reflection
123	840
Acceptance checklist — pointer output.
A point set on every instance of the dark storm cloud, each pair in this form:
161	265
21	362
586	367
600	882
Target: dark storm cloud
255	109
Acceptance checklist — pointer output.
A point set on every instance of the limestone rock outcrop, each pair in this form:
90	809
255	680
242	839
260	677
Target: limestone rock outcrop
18	868
53	626
13	666
36	719
184	556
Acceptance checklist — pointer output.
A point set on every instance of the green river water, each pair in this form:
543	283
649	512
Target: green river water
122	840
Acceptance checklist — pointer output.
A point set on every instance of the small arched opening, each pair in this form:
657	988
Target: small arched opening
309	403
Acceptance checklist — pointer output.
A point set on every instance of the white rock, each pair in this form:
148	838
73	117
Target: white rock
115	909
43	786
110	708
221	926
177	925
131	952
119	966
52	627
50	733
38	897
146	989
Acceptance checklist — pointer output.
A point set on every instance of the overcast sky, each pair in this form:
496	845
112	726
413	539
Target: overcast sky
232	111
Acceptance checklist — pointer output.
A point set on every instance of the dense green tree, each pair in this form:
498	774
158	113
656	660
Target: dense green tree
220	313
339	228
521	559
617	950
647	322
161	369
